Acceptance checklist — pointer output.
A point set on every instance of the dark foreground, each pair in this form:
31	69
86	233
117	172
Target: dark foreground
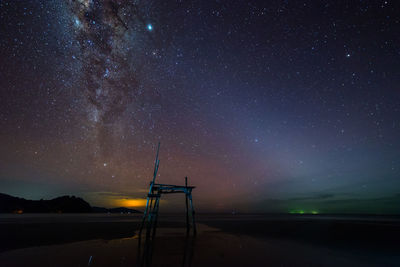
222	240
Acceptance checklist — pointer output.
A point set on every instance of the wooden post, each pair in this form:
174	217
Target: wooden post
144	217
193	220
187	208
155	216
147	211
149	219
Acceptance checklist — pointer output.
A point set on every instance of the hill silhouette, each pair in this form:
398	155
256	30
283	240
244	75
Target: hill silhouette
63	204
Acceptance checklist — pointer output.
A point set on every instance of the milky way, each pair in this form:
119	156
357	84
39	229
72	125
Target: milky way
266	106
104	32
104	41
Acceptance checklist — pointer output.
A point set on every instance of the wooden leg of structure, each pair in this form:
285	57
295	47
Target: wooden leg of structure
145	214
149	219
193	219
156	205
187	214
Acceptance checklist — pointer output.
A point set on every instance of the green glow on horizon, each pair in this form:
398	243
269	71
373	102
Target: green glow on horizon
303	212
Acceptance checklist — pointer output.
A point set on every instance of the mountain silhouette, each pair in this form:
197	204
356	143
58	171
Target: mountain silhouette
63	204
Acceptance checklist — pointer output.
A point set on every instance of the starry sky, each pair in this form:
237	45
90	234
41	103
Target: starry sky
267	106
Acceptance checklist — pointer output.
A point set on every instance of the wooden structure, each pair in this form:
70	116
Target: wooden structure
153	201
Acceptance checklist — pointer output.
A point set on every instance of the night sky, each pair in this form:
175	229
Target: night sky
267	106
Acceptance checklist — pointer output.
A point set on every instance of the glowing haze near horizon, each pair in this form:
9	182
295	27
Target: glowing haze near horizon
265	105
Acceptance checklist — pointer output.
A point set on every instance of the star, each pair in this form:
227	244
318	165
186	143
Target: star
87	83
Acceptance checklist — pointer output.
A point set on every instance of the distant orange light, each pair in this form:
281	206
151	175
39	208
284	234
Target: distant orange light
18	211
130	203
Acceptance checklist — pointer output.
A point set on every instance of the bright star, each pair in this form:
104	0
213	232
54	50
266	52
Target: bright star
149	27
77	22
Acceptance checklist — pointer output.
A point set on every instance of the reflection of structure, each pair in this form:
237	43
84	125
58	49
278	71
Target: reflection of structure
153	201
146	249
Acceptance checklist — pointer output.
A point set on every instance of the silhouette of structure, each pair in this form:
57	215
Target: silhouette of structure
150	215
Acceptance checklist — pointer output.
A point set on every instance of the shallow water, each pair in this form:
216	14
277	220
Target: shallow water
172	247
232	241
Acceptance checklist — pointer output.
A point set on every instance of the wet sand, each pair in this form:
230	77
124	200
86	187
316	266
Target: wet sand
259	240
